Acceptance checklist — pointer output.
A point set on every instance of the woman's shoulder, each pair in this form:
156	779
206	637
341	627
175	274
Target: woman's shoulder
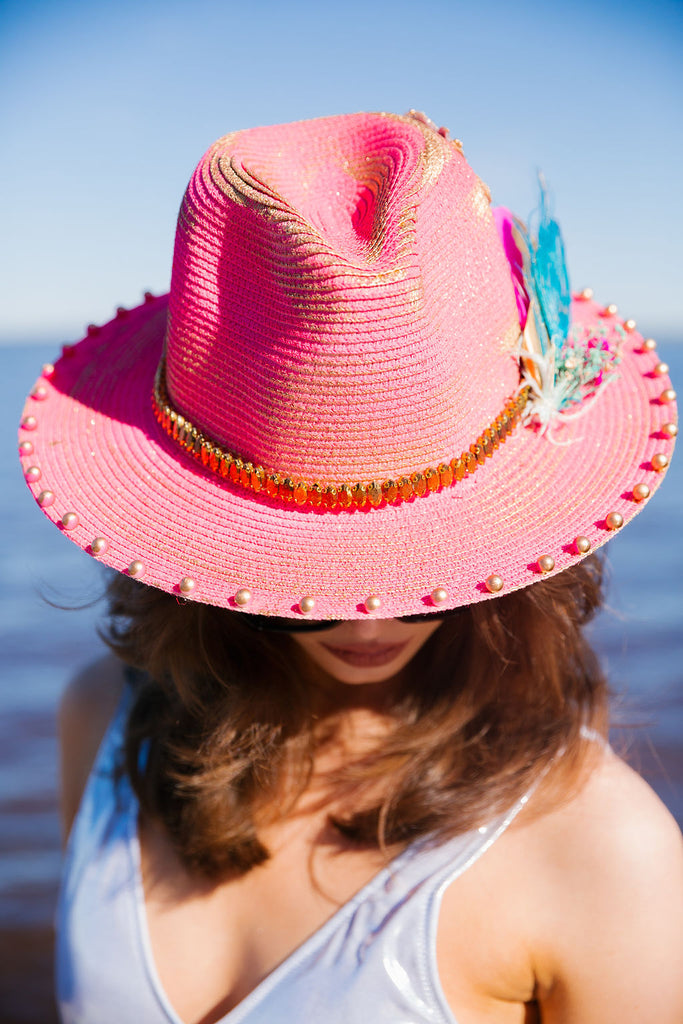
579	904
611	830
604	871
85	710
614	820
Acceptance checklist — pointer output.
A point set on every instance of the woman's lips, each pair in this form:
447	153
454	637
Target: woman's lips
366	655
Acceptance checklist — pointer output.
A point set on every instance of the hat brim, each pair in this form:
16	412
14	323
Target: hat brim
99	449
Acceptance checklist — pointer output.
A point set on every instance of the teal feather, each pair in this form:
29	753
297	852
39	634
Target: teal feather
549	269
545	276
563	365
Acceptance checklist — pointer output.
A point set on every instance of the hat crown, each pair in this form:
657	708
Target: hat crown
341	307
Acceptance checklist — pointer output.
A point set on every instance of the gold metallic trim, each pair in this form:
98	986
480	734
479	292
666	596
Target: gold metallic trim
288	488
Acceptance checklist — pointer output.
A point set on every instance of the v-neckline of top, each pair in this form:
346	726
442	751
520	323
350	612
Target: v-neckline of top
284	966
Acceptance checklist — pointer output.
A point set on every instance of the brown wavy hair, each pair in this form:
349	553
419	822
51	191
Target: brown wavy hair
223	724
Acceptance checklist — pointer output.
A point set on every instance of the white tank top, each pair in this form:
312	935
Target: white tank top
373	960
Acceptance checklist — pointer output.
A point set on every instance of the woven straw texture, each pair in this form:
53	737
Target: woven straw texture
341	310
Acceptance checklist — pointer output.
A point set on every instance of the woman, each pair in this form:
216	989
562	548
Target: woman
360	456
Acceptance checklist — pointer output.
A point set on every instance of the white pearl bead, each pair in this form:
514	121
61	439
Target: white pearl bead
33	474
39	393
306	605
649	345
46	498
546	563
667	396
629	325
582	545
494	584
641	492
373	603
614	520
661	369
670	429
98	545
25	448
439	595
70	520
136	568
29	423
243	596
186	585
659	461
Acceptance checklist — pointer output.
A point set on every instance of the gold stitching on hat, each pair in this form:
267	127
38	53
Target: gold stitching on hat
288	489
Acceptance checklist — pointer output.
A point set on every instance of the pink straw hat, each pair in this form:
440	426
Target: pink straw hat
349	402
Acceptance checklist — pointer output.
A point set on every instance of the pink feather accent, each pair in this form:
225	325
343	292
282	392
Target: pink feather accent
505	223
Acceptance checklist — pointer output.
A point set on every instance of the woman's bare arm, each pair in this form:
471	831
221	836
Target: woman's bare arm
85	710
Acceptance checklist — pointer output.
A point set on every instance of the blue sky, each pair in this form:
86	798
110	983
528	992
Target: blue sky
106	108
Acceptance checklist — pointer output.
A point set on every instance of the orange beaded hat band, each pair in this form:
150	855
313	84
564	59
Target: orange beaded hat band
328	416
287	487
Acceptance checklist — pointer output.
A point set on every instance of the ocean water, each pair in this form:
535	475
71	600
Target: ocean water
639	637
